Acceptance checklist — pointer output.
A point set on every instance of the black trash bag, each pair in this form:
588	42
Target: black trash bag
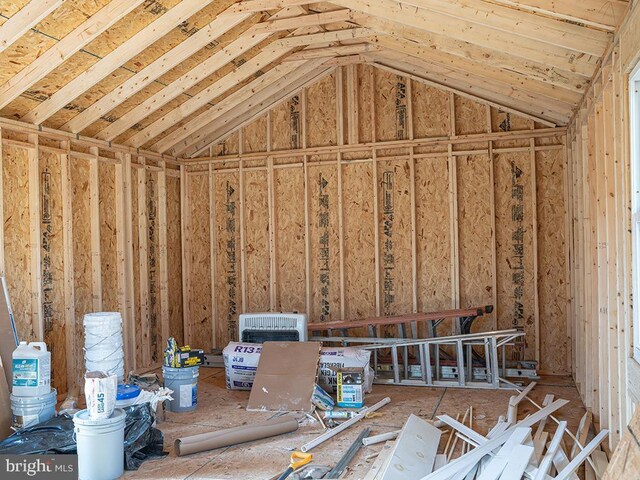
141	441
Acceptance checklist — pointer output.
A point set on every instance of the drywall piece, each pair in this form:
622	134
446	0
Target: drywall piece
521	456
381	460
415	450
285	377
233	436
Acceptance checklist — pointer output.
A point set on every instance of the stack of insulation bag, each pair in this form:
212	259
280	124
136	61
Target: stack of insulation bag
241	361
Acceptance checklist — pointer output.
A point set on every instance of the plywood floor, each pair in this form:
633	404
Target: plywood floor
220	408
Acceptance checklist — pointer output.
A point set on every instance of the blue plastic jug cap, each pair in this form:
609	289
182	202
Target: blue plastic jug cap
126	392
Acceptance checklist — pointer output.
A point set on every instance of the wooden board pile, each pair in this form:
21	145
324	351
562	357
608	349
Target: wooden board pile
512	450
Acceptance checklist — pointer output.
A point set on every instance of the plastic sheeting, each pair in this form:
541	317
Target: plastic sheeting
142	441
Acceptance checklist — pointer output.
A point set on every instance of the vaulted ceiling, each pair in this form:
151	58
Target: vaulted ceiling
156	73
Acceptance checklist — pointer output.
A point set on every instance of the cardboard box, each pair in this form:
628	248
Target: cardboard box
286	377
241	361
350	387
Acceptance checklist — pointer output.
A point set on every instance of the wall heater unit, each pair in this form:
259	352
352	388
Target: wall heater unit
273	327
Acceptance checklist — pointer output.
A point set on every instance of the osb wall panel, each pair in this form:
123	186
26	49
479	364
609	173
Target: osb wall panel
135	241
321	113
15	169
255	136
391	106
288	184
365	89
475	245
81	258
200	294
471	117
108	245
358	238
433	235
227	281
514	245
551	260
324	243
153	266
52	266
256	238
174	259
431	111
286	124
394	232
342	225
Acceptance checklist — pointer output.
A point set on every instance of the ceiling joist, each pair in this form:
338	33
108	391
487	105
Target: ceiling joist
24	20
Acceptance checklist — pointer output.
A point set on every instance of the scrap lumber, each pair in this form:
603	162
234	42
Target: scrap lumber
566	472
414	452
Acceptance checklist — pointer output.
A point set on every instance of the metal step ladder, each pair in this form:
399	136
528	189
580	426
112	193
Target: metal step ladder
462	350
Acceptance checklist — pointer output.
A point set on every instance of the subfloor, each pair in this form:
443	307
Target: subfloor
220	408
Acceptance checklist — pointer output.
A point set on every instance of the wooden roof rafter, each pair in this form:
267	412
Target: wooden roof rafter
30	15
70	44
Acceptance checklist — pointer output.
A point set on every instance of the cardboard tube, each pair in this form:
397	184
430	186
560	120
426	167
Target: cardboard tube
233	436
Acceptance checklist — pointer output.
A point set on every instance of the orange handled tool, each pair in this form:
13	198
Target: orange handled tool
298	459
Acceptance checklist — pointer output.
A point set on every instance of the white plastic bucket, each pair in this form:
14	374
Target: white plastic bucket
30	411
100	445
103	343
184	383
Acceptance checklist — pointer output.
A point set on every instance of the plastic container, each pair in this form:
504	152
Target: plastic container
30	411
127	395
100	445
184	383
103	343
31	369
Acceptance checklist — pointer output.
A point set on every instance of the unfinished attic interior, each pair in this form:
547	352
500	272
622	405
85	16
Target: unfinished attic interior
363	239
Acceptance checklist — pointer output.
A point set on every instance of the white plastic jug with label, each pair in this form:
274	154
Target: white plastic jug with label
31	370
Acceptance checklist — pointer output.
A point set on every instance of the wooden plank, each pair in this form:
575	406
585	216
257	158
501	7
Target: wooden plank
262	5
119	56
96	257
2	261
518	462
35	239
143	263
272	235
163	253
25	19
65	48
218	27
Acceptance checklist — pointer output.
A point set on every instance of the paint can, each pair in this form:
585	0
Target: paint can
100	445
30	411
184	383
103	346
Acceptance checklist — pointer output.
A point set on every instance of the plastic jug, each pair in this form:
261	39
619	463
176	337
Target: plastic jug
31	370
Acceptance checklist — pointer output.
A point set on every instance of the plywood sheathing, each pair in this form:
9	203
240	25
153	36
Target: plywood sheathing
108	240
174	258
52	258
475	245
348	246
81	260
200	294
